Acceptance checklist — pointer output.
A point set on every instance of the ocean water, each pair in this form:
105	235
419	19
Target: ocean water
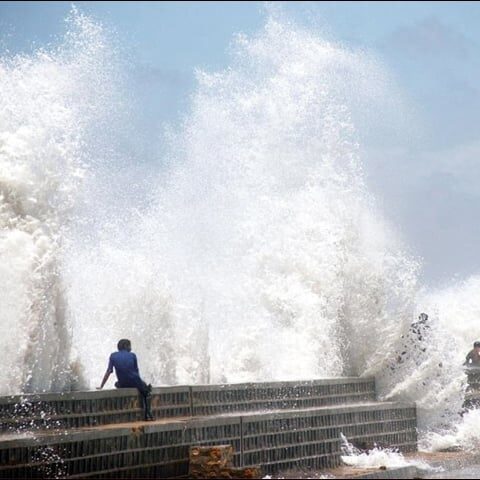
248	249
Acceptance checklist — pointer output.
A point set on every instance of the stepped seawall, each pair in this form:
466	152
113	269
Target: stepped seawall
277	426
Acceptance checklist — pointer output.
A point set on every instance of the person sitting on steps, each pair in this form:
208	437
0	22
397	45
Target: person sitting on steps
126	369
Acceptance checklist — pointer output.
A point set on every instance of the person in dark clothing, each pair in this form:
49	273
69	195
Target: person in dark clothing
472	369
473	356
126	368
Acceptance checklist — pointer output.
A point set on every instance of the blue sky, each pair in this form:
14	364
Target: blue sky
429	186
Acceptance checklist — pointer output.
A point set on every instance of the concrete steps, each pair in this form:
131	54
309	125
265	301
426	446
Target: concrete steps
279	426
81	409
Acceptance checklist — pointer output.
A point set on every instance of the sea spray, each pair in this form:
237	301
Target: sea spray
50	100
380	457
456	307
262	256
269	193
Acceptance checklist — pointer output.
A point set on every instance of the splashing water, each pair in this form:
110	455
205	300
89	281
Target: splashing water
259	254
262	256
456	307
380	457
47	110
463	436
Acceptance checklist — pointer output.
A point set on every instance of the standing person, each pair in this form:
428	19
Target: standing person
126	369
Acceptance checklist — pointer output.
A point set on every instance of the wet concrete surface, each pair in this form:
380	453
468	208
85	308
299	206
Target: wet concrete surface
453	465
469	472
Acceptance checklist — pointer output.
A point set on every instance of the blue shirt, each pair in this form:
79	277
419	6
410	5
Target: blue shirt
126	368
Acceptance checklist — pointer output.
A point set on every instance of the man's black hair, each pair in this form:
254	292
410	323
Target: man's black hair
124	344
476	344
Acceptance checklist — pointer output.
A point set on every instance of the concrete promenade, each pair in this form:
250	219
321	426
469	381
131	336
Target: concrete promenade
278	426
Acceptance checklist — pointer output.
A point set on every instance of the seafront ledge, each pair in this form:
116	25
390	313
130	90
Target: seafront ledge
277	426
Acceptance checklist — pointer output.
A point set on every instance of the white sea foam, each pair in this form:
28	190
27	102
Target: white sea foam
457	307
464	435
264	251
380	457
48	104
